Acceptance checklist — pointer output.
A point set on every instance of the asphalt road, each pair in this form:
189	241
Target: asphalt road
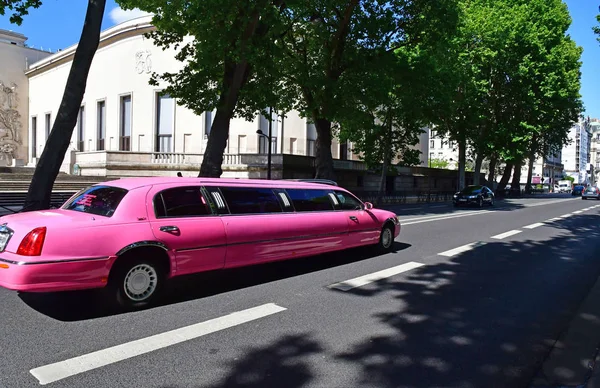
469	298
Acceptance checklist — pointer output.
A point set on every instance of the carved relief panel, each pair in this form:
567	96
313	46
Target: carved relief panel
10	122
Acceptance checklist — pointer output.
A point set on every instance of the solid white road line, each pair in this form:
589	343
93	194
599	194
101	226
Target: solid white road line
447	217
437	216
60	370
461	249
566	215
506	234
553	219
375	276
578	211
533	226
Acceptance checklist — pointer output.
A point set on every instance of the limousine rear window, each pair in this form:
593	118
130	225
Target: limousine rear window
97	200
309	200
251	200
180	202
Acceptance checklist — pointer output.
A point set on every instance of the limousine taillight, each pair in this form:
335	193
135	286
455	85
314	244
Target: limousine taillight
33	242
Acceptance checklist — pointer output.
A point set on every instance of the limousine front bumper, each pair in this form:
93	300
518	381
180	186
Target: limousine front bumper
28	274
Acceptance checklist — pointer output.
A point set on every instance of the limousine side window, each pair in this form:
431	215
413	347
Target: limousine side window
251	200
347	201
180	202
308	200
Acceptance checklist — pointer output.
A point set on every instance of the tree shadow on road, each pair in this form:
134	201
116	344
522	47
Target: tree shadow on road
89	304
484	318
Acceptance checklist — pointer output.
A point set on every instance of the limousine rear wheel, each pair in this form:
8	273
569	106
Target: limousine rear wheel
386	240
137	282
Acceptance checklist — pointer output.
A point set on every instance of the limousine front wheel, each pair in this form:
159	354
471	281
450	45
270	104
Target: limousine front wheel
137	283
386	240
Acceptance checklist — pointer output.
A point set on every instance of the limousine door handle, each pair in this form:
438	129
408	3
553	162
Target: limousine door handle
353	218
169	229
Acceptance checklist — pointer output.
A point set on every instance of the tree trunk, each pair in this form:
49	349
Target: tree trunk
492	173
478	163
235	77
505	177
462	158
530	173
48	167
515	186
324	159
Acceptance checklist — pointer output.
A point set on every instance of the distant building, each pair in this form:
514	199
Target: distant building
15	57
576	155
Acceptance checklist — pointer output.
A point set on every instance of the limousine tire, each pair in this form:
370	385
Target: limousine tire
137	282
386	239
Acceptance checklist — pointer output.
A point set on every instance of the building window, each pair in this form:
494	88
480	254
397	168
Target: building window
165	114
431	156
344	150
125	122
208	119
450	144
311	139
48	125
80	130
34	137
433	133
101	124
431	143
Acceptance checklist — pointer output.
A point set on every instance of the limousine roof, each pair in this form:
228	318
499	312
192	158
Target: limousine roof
134	183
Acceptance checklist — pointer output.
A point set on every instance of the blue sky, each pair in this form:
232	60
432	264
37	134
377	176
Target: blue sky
57	24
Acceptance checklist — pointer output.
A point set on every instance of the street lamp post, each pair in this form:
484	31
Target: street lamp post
260	133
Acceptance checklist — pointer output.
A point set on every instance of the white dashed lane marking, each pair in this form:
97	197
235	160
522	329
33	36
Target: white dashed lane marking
462	249
63	369
533	226
375	276
506	234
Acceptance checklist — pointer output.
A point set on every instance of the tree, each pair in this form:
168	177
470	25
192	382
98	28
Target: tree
48	167
333	44
596	29
18	9
230	61
439	163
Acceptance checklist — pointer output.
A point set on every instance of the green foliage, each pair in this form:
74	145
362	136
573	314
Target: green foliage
439	163
18	8
596	29
212	38
569	178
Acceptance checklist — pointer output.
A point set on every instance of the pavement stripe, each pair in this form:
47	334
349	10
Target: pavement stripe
461	249
566	215
375	276
448	217
578	211
63	369
437	216
533	226
553	219
506	234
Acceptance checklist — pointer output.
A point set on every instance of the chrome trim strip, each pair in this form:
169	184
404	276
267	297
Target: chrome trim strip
278	239
52	261
142	244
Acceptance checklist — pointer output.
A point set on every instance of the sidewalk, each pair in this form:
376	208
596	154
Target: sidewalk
574	360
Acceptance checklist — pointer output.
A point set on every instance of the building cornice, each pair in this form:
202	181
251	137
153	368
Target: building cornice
134	27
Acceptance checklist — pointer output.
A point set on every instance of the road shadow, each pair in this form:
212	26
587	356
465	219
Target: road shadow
484	318
73	306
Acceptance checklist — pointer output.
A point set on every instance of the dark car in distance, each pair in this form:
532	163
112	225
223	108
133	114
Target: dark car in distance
474	195
577	190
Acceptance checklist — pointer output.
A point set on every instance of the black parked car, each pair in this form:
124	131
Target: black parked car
577	190
474	195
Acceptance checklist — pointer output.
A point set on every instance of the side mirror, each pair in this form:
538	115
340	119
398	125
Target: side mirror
368	206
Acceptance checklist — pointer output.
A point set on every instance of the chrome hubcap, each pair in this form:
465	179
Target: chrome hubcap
140	282
386	238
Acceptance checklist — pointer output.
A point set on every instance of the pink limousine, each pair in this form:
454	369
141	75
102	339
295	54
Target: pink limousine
131	235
